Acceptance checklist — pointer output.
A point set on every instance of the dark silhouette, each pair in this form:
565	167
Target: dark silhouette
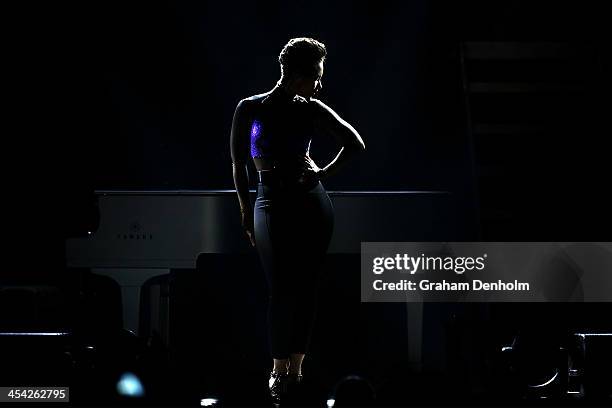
292	221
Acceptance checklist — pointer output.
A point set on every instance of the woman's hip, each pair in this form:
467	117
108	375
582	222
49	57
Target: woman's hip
293	190
289	211
273	197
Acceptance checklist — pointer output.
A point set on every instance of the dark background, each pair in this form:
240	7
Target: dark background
146	91
128	95
134	95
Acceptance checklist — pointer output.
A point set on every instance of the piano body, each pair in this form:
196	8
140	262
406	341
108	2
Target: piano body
145	234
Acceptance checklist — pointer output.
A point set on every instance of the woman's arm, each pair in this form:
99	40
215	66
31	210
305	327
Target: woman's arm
329	121
239	148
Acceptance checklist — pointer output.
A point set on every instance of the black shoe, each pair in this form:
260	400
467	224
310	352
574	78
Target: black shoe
295	379
294	388
278	386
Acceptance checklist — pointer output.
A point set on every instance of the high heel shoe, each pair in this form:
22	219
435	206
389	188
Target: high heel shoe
278	386
294	379
294	387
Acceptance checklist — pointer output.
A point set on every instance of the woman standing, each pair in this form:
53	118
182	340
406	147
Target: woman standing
292	222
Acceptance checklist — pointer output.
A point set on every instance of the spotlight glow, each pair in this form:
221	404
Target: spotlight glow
208	402
331	402
129	385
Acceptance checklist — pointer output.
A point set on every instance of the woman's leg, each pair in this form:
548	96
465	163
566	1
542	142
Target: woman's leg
316	230
305	294
280	316
271	242
295	363
281	365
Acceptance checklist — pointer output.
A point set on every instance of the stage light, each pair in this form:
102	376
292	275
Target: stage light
208	402
129	385
351	390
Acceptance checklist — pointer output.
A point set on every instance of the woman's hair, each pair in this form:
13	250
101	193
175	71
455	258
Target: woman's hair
300	56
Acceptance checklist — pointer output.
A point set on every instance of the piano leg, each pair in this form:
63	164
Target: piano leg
131	280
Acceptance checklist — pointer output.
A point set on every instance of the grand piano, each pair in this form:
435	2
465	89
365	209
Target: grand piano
146	234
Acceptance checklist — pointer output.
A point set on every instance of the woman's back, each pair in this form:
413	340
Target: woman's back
281	129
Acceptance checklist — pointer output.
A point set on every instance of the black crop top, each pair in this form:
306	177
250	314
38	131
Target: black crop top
280	129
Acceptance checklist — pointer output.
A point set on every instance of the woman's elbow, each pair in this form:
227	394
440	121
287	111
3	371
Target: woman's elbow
356	146
354	149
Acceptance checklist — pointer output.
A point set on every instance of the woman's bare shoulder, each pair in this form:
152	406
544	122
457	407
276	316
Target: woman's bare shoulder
321	109
246	106
256	99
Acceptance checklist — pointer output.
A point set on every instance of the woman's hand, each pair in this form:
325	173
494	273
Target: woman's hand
310	170
248	226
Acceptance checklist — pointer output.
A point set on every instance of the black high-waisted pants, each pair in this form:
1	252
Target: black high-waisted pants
293	228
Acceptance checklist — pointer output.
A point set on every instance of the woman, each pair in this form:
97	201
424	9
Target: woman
292	221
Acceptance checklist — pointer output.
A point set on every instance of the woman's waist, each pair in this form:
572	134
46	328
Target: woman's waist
272	181
287	165
280	175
